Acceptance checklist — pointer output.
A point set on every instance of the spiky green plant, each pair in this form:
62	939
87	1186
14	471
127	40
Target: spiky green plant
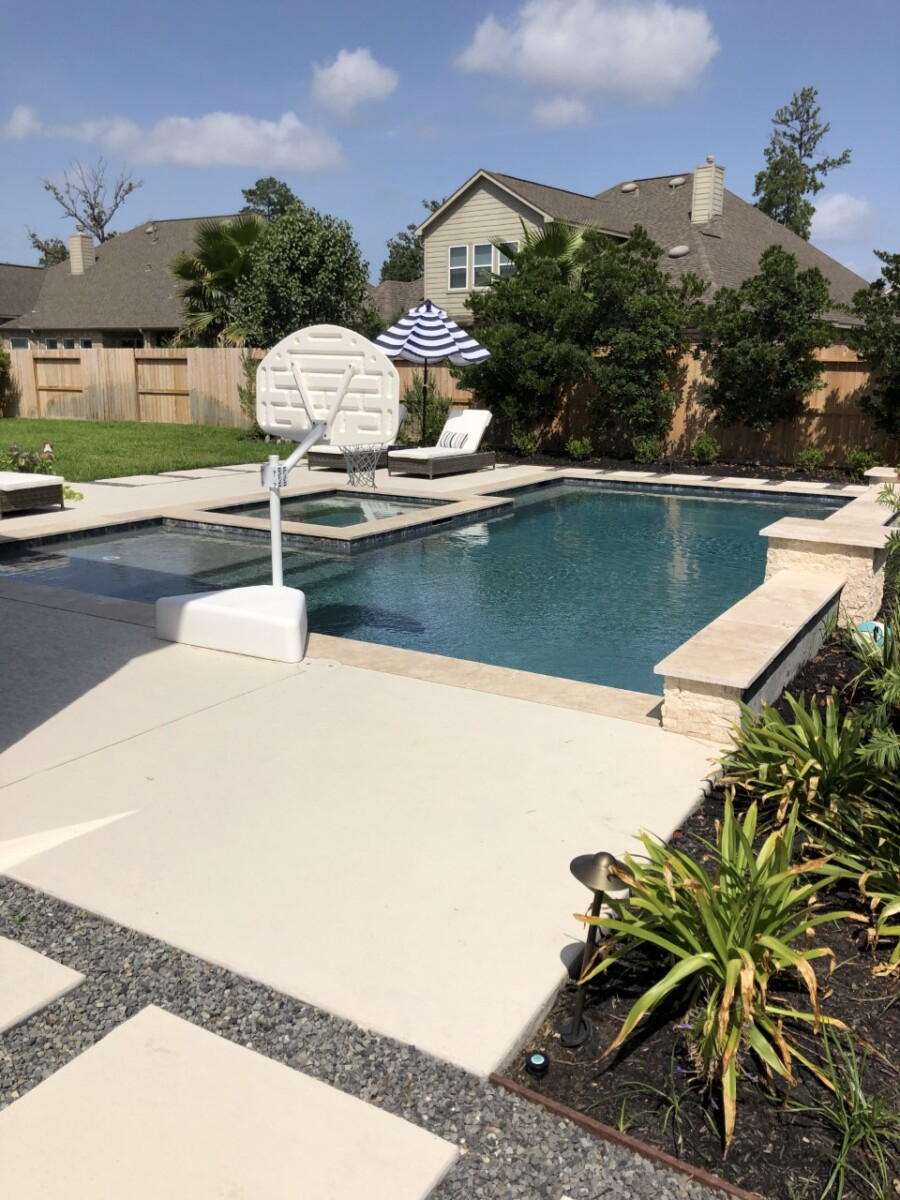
209	277
726	933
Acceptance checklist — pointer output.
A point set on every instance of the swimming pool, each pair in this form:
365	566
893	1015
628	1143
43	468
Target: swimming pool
589	582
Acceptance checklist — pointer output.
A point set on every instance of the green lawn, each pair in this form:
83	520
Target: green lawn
86	450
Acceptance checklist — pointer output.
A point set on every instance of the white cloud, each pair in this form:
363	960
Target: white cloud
354	78
212	140
23	122
560	112
841	217
644	50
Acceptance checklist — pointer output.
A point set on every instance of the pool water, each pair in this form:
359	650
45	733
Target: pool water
589	583
334	508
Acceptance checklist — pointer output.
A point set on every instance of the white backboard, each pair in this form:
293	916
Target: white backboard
328	366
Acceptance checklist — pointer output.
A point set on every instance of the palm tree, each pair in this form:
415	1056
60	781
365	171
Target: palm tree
555	239
208	280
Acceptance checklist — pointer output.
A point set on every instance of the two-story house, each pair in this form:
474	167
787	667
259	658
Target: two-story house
701	227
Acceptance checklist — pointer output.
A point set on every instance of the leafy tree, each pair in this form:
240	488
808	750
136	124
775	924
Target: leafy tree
52	250
540	331
878	342
791	173
268	198
406	254
85	196
642	323
208	280
306	269
757	343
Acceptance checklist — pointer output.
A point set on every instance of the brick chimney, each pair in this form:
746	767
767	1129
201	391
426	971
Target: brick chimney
708	200
81	251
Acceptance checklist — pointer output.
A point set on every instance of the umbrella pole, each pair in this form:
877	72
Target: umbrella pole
424	402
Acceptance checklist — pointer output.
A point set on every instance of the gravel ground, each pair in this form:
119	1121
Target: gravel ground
509	1148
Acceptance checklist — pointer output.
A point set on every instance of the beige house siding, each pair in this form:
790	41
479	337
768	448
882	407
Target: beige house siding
483	213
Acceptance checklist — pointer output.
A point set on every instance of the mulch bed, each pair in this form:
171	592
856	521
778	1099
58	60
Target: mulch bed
649	1089
732	470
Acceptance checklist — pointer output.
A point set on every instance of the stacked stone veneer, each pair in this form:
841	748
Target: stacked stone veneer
861	566
815	571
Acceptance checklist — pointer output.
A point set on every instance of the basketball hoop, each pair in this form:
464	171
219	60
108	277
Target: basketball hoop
362	463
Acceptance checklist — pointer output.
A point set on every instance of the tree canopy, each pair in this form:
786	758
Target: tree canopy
757	343
642	323
208	280
268	198
406	255
306	269
792	174
52	250
87	197
877	340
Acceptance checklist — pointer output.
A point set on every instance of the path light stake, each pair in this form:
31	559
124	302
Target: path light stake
599	872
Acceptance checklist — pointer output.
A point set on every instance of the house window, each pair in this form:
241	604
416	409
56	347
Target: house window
459	267
68	344
505	265
51	344
482	261
132	343
85	343
18	343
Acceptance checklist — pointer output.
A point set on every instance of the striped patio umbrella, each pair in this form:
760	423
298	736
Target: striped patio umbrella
426	335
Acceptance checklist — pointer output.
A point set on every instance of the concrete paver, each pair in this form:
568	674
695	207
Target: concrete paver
162	1108
29	982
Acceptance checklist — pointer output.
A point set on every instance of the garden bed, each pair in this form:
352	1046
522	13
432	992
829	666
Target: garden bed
649	1088
733	470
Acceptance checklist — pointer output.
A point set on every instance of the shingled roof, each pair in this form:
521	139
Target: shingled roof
129	286
724	251
19	287
394	297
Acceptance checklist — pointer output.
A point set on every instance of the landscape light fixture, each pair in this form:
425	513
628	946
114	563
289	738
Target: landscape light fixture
600	873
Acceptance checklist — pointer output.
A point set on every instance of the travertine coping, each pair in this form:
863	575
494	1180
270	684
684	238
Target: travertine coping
748	654
879	476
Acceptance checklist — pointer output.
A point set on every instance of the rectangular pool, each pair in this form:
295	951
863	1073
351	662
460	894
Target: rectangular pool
595	582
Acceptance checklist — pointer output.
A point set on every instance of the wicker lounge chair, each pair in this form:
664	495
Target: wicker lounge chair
456	450
331	457
21	491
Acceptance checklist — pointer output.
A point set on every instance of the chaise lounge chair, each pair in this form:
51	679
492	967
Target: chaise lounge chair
331	457
21	491
456	449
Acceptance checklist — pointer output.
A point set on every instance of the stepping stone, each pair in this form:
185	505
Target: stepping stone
161	1108
29	982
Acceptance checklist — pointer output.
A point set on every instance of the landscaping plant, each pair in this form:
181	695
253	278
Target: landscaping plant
579	448
648	449
435	413
810	460
33	462
726	933
813	757
525	443
860	460
705	450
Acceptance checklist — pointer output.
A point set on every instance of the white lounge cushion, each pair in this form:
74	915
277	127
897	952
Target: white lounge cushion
426	452
15	481
462	423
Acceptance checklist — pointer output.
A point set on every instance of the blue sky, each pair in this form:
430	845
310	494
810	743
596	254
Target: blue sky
365	109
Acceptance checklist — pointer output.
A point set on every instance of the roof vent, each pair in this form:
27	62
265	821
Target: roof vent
628	187
679	251
678	181
151	229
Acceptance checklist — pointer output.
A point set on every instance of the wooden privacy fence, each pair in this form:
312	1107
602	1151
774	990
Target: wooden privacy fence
187	387
200	387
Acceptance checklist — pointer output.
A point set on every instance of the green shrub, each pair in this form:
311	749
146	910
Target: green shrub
35	462
436	411
525	443
860	460
705	450
810	460
247	393
5	378
579	448
725	934
810	758
648	449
